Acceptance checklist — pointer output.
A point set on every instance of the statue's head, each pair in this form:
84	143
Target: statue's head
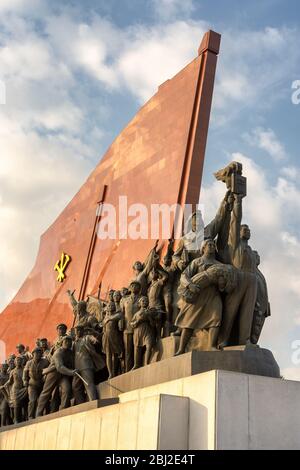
117	296
43	343
208	247
4	367
18	362
81	308
79	331
143	302
245	232
110	308
111	295
37	354
154	274
67	342
20	348
135	287
124	291
61	329
138	266
11	361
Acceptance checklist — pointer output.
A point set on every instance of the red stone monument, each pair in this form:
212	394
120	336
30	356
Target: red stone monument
158	158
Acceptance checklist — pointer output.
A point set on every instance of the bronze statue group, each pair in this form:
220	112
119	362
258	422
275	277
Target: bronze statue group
208	289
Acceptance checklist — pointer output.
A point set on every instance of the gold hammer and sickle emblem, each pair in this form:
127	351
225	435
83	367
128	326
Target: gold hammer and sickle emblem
61	266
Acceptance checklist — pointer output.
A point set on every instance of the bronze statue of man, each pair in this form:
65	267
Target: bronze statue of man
55	398
58	374
158	279
129	307
43	344
238	304
124	294
25	355
241	254
61	333
262	305
87	362
144	335
170	288
33	379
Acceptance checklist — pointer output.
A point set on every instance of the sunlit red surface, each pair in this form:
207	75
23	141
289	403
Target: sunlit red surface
157	158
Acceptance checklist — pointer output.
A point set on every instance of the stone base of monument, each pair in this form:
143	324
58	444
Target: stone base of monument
212	410
72	410
246	359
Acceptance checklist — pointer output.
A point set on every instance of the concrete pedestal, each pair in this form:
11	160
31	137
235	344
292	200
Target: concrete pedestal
212	410
246	359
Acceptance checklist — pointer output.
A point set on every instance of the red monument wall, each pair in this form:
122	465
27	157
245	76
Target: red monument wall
157	158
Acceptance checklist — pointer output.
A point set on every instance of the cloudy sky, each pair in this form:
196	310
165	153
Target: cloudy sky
76	71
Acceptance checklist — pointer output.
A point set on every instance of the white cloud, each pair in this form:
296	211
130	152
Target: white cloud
156	54
138	58
168	9
141	57
290	172
9	6
254	70
91	47
267	140
38	176
28	59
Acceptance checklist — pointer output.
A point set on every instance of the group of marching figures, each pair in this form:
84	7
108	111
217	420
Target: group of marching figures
209	288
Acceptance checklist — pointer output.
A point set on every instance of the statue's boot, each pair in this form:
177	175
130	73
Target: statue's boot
186	335
166	329
213	334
